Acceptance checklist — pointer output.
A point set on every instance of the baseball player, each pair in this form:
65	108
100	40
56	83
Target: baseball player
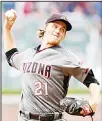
46	72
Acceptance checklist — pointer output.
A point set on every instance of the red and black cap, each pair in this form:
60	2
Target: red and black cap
60	17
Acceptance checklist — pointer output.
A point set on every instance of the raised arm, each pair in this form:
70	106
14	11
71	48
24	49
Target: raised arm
10	17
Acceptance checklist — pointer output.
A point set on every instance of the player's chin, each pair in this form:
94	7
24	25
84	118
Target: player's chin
54	42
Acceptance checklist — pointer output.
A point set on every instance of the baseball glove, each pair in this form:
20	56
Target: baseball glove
74	106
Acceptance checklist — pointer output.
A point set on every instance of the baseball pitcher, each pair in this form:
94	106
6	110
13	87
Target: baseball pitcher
46	72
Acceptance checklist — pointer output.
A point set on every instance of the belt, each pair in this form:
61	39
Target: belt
41	117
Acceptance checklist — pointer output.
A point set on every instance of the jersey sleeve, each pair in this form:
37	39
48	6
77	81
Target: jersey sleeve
77	72
73	66
17	58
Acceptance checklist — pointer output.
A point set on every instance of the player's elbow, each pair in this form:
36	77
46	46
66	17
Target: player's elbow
9	54
90	79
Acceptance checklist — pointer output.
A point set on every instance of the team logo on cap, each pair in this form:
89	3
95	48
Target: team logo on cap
63	17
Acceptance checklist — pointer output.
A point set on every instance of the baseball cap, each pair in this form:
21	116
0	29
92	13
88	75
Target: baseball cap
60	17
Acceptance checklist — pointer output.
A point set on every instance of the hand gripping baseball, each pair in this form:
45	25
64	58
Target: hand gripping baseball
10	17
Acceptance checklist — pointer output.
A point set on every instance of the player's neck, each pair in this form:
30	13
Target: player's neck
45	45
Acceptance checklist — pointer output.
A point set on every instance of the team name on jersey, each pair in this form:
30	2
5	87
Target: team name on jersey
38	68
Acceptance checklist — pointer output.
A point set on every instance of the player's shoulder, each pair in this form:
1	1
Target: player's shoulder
28	51
69	54
32	49
62	50
65	51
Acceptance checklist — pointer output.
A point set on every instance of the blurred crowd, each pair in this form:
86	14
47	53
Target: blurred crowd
91	9
88	8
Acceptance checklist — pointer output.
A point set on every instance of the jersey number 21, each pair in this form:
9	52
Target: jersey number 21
40	88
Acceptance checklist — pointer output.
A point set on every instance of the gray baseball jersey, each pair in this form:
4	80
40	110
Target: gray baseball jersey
45	77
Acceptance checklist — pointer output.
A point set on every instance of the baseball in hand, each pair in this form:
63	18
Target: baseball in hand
10	14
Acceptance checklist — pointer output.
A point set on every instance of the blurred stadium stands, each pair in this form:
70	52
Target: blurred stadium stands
84	39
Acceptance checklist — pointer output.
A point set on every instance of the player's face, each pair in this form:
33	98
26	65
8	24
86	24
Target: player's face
55	32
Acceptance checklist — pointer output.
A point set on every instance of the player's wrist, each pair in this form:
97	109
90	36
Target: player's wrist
93	104
93	101
7	27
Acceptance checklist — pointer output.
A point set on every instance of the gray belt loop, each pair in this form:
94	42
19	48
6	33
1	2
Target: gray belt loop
39	117
56	115
27	115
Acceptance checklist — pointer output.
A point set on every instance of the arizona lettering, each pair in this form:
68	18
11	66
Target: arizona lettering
38	68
